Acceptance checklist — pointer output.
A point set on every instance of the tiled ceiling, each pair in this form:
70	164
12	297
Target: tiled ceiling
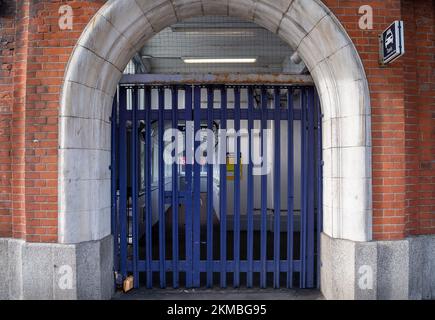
217	37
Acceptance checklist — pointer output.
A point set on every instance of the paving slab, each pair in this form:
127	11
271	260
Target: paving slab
217	294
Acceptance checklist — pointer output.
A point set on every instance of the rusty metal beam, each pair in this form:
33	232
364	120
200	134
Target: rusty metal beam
165	79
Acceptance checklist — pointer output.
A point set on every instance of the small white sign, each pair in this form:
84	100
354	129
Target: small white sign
392	42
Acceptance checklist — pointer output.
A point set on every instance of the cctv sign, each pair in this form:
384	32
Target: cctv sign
392	42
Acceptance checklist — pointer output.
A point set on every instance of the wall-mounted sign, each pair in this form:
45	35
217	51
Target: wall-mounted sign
231	166
392	43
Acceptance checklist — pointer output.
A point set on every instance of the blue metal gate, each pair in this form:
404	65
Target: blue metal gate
171	223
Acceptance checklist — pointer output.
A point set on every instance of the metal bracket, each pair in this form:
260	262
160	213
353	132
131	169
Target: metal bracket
381	54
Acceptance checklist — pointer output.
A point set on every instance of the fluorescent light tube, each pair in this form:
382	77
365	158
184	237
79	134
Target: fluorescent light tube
216	31
219	60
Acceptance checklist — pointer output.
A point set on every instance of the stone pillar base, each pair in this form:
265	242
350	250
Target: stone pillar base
56	271
398	270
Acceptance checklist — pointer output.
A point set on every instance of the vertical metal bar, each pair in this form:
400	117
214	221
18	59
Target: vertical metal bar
290	188
196	192
134	180
319	184
114	182
250	204
277	187
175	204
123	181
162	224
263	236
148	178
310	189
237	189
223	192
210	100
303	190
188	202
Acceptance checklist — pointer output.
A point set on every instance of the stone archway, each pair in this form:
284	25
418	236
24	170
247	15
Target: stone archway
120	28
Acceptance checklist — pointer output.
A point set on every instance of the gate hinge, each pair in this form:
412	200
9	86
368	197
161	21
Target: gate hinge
118	279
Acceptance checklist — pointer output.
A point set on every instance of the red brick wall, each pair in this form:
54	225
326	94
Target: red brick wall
420	115
388	115
402	99
7	45
42	51
18	120
49	51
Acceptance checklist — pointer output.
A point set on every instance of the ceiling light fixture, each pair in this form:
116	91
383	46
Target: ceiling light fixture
219	60
216	30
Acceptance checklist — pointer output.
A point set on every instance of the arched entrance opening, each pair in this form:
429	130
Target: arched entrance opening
119	30
239	209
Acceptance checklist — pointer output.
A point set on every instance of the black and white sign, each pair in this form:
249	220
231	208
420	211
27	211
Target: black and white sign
392	42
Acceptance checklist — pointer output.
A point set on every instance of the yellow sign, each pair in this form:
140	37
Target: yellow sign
231	167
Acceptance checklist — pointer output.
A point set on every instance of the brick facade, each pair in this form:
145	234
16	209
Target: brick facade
33	60
7	46
419	75
41	52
